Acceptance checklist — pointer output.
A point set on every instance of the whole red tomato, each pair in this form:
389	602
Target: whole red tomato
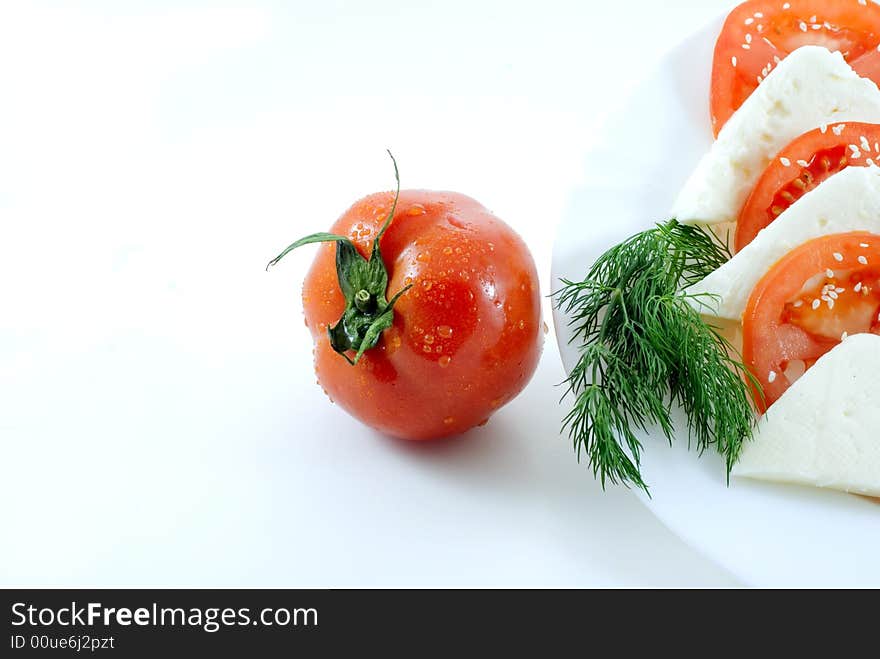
463	338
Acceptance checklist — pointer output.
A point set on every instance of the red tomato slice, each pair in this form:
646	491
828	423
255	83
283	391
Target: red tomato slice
806	304
801	166
758	34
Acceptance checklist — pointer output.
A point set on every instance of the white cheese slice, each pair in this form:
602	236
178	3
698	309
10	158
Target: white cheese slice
848	201
825	429
808	89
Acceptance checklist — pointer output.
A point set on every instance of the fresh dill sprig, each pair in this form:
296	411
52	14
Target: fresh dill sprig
645	348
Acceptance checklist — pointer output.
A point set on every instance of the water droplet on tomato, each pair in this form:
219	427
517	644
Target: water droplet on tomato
427	284
407	281
426	348
448	420
423	256
444	331
522	324
415	209
444	361
447	250
429	339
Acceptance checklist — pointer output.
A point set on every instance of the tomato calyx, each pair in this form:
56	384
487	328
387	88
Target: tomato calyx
364	283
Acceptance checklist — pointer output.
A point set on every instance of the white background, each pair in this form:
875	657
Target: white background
159	417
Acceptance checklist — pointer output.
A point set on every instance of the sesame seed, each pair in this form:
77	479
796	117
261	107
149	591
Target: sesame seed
803	163
733	60
759	14
799	303
759	27
838	129
870	161
830	303
858	287
816	304
877	147
813	18
823	128
866	145
749	21
785	161
787	5
833	295
864	245
863	260
829	273
746	46
771	376
816	26
748	38
803	26
760	80
838	257
843	336
839	289
776	59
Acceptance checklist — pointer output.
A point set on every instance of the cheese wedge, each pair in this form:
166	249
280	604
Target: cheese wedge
808	89
848	201
825	429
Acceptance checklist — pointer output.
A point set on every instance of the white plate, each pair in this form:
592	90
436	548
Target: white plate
767	535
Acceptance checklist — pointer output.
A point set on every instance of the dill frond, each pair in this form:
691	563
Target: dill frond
645	348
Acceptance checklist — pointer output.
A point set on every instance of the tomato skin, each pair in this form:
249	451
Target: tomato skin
826	152
466	338
847	26
781	325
